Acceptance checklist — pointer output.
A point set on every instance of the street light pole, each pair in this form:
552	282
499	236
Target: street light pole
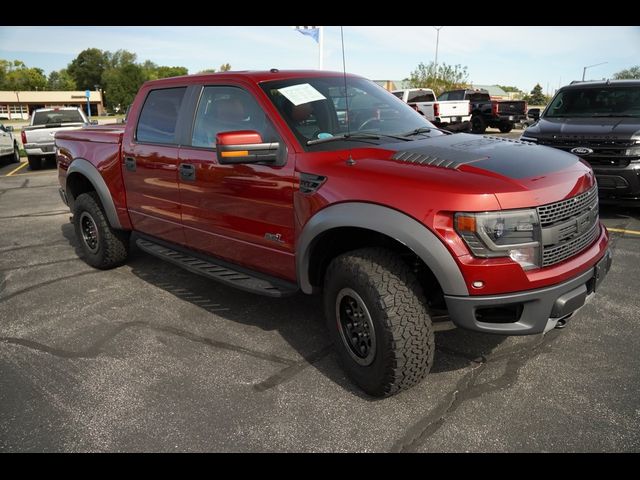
584	70
437	42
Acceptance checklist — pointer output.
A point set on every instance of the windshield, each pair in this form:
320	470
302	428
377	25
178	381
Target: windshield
57	116
316	109
596	102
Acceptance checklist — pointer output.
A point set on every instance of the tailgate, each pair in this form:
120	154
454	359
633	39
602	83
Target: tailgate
454	108
45	135
515	107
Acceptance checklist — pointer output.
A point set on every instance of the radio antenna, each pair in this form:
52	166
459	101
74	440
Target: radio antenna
344	74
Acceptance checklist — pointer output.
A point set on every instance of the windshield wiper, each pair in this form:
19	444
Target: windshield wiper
417	131
357	137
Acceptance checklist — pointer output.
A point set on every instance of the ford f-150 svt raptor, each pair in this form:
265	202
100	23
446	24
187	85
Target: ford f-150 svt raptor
250	178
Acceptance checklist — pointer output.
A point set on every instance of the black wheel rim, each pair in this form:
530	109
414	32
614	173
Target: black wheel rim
355	327
89	231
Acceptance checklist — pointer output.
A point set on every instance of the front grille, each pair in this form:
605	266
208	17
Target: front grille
558	253
566	209
568	226
606	152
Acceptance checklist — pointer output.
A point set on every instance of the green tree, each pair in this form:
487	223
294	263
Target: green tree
440	78
17	76
121	84
119	58
87	68
508	88
166	72
628	73
61	80
225	67
537	97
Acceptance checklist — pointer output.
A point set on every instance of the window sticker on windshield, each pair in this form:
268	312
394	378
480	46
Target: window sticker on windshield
303	93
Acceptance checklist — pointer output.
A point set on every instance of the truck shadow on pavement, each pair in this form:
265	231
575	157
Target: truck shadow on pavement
298	320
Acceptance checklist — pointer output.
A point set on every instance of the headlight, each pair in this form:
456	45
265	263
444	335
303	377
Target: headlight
633	151
509	233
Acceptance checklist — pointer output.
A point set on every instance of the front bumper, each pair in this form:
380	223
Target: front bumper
531	312
618	183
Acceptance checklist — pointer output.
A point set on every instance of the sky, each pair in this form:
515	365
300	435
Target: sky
515	56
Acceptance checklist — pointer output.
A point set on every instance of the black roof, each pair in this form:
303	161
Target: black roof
602	83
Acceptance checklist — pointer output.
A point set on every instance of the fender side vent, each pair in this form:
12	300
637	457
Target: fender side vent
422	159
310	183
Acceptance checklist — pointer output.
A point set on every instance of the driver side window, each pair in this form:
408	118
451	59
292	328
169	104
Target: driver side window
228	109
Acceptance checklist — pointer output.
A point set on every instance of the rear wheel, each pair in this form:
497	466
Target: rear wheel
103	246
506	127
15	156
378	321
35	162
478	124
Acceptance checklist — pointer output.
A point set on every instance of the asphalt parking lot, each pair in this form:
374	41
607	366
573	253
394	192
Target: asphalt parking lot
149	357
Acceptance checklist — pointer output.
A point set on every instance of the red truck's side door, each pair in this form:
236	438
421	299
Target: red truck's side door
243	212
150	167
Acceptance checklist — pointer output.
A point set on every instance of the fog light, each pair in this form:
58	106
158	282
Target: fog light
478	284
527	257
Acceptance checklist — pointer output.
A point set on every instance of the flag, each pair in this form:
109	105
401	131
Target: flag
313	32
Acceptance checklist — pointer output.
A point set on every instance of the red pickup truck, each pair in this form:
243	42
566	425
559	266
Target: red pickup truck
251	179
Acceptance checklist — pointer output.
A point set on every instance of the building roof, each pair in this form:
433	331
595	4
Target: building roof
494	90
393	84
48	96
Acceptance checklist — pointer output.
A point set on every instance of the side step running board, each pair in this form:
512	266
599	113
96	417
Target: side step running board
271	287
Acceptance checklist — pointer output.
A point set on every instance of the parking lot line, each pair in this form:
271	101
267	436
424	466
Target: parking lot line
22	165
622	230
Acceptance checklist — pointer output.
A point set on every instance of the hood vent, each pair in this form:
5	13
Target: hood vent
422	159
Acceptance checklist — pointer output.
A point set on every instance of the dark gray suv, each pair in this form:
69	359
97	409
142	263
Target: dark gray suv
599	122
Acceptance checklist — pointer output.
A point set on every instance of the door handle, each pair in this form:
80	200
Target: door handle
130	164
187	172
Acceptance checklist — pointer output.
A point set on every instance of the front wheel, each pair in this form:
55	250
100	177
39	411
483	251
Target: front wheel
506	127
103	247
378	321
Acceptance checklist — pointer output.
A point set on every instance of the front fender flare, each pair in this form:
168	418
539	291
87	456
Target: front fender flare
85	168
387	221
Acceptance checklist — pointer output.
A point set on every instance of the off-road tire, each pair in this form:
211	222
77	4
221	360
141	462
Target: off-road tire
404	341
112	246
35	162
15	156
506	128
478	125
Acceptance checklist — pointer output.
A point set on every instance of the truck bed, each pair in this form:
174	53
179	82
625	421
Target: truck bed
111	133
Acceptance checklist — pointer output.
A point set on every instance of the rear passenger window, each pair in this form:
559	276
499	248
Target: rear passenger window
157	123
421	96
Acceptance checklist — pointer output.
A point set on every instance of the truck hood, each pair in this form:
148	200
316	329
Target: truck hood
464	171
623	128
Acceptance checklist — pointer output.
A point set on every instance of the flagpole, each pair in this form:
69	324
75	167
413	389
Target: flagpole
320	46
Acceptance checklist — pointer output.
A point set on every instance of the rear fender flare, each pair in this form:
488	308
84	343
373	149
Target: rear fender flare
85	168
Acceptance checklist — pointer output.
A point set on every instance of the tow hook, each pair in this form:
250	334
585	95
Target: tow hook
561	324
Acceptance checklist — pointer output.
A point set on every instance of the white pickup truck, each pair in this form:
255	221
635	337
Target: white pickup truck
37	138
441	113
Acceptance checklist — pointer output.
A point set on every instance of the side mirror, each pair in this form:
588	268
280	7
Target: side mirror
8	128
534	113
244	146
